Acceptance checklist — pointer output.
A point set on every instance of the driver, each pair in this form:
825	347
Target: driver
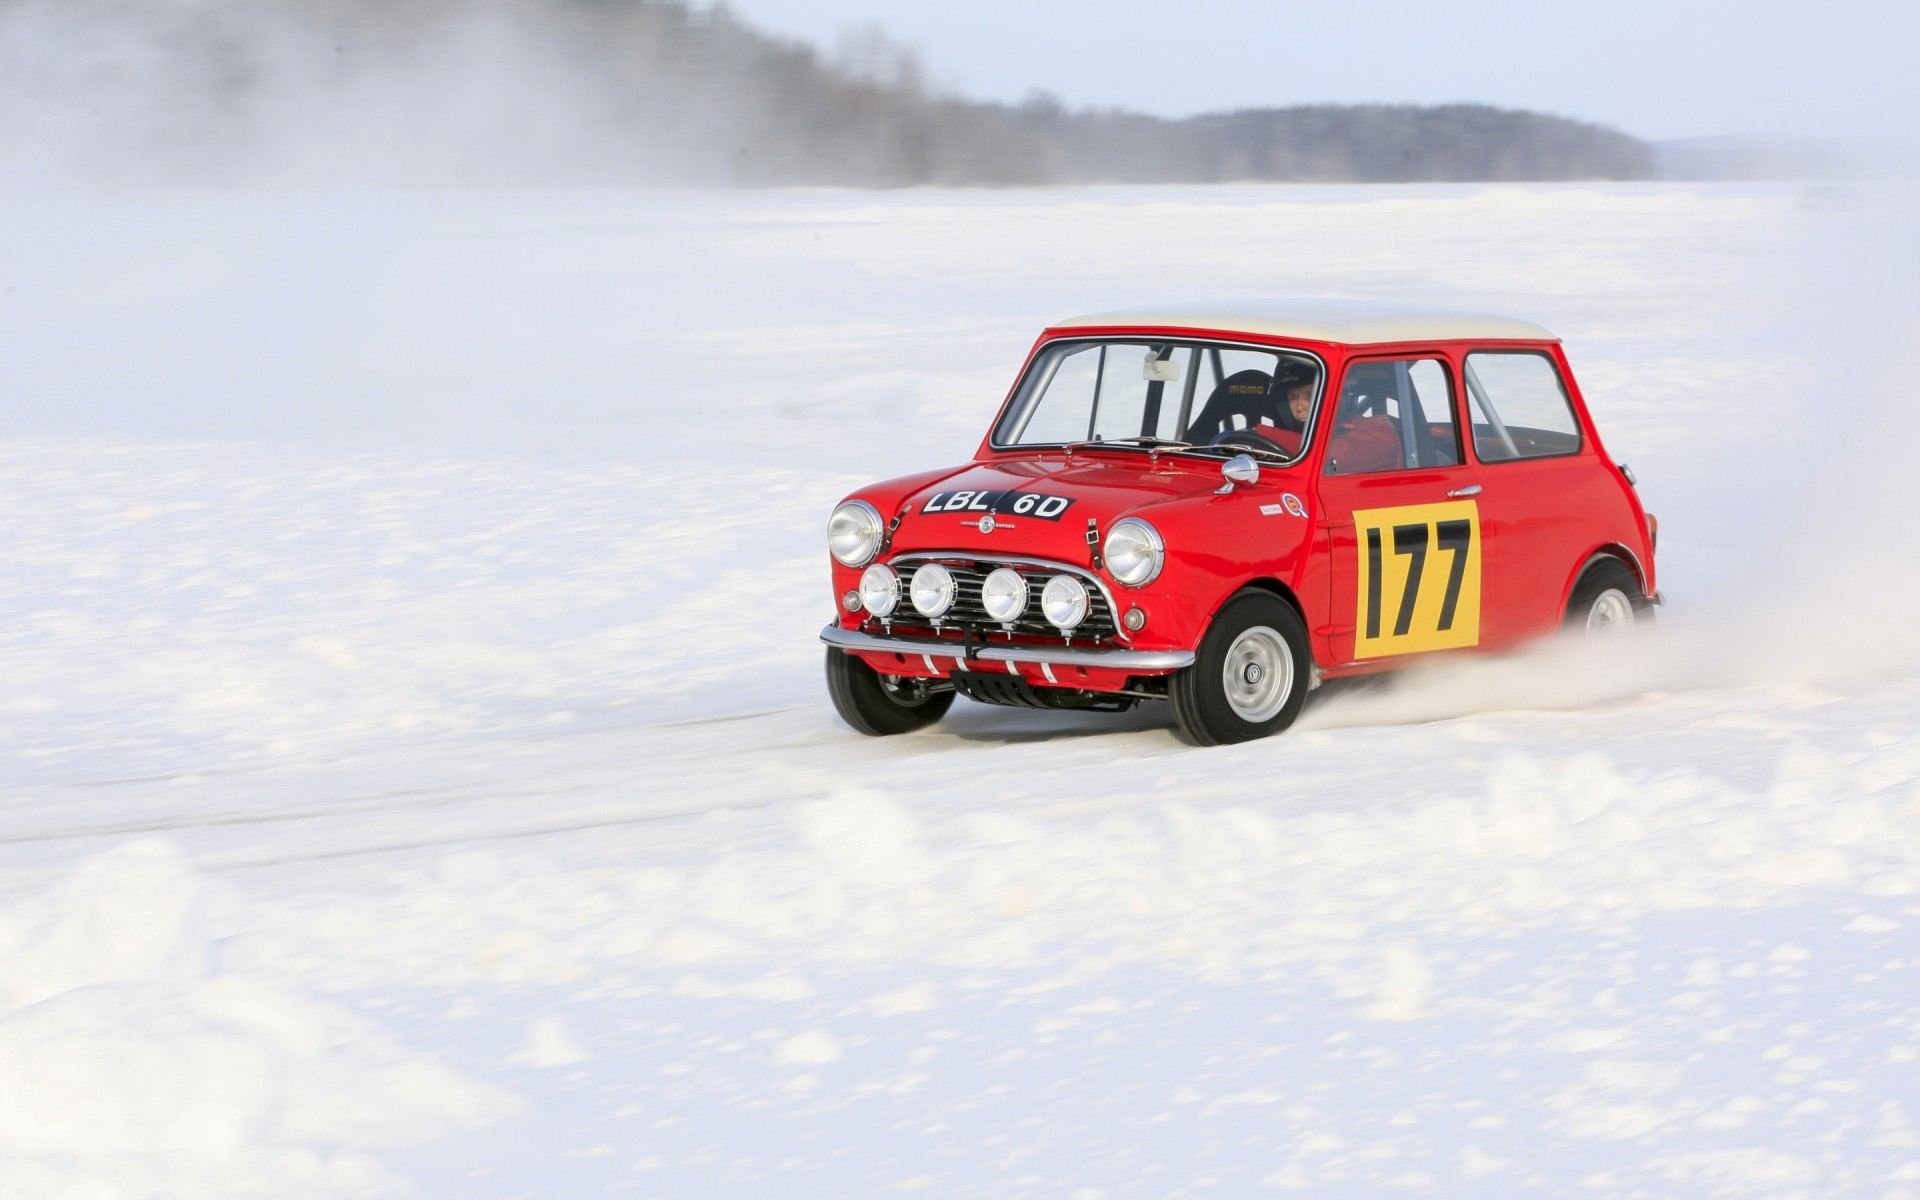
1293	387
1299	395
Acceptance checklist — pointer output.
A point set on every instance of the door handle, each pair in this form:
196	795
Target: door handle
1472	489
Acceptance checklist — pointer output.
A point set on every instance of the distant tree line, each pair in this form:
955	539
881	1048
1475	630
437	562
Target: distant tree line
659	90
777	111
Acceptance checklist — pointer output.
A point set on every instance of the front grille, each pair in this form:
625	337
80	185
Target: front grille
968	613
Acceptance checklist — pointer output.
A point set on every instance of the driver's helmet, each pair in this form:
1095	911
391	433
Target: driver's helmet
1291	373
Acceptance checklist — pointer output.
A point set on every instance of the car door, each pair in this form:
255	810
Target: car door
1406	549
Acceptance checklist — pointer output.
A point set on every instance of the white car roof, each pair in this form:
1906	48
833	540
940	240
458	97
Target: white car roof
1348	322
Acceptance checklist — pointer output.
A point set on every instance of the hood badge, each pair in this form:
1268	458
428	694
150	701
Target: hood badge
989	523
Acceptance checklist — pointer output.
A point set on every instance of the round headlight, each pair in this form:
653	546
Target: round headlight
1134	552
853	533
933	590
1064	601
880	590
1004	594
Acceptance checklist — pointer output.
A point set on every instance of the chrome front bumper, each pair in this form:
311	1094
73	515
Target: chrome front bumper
1067	656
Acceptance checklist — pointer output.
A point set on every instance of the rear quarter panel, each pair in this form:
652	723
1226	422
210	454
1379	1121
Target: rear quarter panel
1551	516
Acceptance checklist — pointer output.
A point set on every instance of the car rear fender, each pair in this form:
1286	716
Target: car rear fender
1615	552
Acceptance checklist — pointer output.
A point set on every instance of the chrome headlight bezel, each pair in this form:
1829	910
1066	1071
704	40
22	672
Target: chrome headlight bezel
880	590
854	533
936	584
1134	552
1065	602
1012	586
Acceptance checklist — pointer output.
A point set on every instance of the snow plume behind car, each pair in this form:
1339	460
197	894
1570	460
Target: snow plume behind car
1849	583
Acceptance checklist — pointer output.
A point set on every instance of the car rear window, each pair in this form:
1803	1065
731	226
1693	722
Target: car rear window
1519	407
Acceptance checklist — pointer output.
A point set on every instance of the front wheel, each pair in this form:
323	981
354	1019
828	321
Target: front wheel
880	705
1250	677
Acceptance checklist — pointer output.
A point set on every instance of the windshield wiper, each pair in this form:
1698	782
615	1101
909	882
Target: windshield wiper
1156	444
1137	443
1232	448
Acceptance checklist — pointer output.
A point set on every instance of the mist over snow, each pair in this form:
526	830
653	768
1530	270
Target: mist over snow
199	91
415	775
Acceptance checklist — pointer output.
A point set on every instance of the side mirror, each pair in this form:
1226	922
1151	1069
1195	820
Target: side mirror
1239	469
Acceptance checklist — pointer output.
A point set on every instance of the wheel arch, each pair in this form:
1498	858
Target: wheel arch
1266	583
1607	552
1276	587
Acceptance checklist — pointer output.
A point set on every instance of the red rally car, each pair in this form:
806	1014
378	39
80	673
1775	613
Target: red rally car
1219	507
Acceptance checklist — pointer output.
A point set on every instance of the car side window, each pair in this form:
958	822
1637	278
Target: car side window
1519	407
1394	415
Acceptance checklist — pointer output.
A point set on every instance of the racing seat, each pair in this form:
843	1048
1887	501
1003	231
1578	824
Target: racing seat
1247	395
1369	387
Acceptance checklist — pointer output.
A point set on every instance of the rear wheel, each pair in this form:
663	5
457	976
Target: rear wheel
1607	601
1250	676
879	705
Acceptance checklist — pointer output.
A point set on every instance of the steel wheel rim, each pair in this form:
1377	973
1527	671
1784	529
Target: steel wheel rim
1611	612
1258	674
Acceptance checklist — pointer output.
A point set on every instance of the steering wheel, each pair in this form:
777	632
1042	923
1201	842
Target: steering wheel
1245	437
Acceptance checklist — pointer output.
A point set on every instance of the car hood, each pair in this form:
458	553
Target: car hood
1041	507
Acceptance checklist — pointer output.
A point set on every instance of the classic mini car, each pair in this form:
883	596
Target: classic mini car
1219	507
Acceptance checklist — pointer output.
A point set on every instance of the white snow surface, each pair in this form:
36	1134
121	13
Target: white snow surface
416	776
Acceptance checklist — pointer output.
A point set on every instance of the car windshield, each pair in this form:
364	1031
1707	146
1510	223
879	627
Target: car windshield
1158	394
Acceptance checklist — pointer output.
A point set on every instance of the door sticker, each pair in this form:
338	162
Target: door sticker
1418	572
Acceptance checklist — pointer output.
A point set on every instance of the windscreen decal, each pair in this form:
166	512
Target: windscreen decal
1037	505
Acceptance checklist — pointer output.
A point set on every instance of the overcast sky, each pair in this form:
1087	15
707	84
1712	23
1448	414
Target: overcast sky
1655	68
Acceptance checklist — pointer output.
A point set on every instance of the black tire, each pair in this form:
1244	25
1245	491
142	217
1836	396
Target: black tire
865	700
1607	601
1255	629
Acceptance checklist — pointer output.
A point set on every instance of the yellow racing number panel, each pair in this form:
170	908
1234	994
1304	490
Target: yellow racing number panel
1419	578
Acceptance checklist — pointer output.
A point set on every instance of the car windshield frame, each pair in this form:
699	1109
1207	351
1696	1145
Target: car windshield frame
1046	358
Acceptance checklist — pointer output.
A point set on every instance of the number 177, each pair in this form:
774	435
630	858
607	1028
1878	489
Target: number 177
1412	542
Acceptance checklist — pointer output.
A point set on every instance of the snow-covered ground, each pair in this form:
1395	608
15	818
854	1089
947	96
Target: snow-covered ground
415	774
